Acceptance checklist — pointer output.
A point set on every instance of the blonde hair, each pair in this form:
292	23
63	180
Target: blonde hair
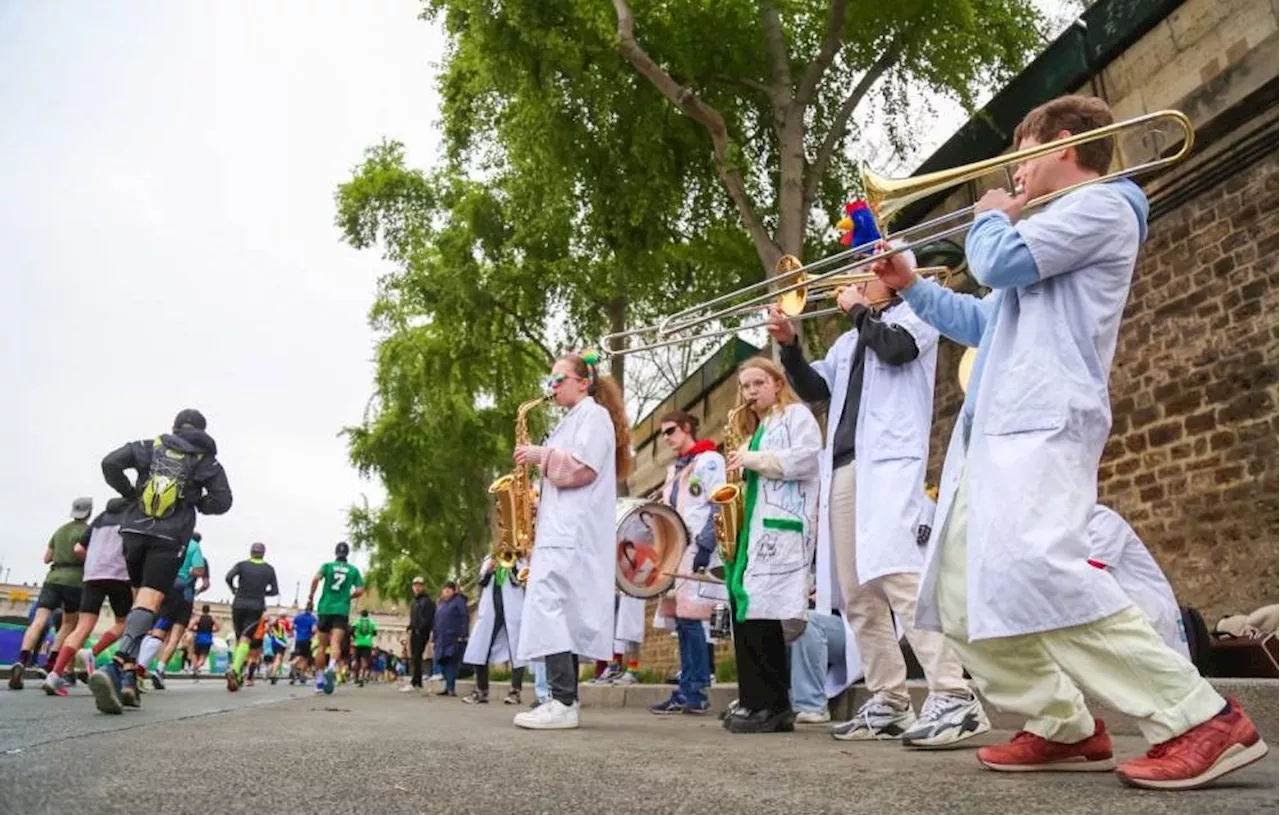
747	421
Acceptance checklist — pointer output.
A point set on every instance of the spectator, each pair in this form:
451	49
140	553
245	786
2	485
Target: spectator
450	629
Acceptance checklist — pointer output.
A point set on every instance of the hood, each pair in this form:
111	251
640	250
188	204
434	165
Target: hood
190	440
1137	200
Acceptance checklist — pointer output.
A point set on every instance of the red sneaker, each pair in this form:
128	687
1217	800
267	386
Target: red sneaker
1031	753
1204	753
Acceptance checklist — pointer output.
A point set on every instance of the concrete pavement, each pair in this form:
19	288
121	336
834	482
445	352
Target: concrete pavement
375	750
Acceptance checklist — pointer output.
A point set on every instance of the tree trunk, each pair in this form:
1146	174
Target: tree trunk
617	311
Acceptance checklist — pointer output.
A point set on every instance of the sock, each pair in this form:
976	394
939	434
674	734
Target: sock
253	669
105	641
24	658
136	625
150	647
64	658
633	665
601	666
50	658
241	654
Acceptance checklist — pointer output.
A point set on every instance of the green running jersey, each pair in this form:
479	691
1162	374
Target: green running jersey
337	579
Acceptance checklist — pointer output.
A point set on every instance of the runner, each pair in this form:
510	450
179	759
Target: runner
304	625
342	582
363	633
61	590
175	611
105	577
252	581
278	637
206	626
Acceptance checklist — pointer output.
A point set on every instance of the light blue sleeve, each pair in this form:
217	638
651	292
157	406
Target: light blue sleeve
960	317
998	256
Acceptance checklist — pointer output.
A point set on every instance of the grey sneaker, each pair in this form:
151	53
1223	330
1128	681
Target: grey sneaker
105	695
945	720
875	720
476	698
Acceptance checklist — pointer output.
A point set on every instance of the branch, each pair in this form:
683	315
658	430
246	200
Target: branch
776	44
826	53
710	119
521	327
839	125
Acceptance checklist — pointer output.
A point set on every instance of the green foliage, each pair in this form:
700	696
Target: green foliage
576	198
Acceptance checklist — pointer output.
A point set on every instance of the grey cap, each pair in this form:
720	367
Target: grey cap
419	579
81	508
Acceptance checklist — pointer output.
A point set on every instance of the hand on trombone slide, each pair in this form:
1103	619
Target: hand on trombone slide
896	271
1000	199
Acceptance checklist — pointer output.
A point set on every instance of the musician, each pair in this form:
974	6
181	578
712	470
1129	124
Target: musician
691	479
878	378
1006	576
568	608
496	630
768	579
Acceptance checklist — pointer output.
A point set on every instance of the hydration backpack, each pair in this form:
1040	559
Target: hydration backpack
167	480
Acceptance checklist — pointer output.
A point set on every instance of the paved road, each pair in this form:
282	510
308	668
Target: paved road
406	754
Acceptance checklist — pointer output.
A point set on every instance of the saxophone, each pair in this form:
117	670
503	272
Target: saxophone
513	494
730	497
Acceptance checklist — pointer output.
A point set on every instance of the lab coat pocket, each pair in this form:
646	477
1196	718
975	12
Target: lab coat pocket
780	549
1031	401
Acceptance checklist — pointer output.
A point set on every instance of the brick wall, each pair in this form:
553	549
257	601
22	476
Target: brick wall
1192	460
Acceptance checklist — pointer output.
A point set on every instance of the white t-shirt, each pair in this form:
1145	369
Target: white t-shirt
1114	544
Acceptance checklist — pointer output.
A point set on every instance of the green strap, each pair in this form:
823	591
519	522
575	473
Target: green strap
737	591
784	524
500	575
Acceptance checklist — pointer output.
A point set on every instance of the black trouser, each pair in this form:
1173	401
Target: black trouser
499	626
764	671
562	676
417	644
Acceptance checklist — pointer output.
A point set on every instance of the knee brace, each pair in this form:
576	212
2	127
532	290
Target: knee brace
136	626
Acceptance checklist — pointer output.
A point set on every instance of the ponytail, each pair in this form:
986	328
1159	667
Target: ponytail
607	392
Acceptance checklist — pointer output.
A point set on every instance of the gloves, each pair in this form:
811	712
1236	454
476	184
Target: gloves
702	560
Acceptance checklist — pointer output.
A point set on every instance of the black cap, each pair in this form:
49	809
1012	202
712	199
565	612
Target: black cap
189	418
342	549
451	585
258	550
364	612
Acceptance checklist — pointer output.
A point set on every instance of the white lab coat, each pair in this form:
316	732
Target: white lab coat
478	651
776	579
1041	418
895	415
628	626
1116	546
568	604
698	480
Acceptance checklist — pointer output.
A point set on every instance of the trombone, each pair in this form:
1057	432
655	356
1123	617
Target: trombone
887	197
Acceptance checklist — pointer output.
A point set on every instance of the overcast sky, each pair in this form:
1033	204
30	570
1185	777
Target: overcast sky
167	240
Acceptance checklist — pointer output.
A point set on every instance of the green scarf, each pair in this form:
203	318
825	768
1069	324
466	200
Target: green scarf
737	592
500	575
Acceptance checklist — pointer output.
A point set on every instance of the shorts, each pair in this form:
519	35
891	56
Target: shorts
203	647
177	609
302	650
67	598
245	622
327	622
279	646
364	651
118	592
153	563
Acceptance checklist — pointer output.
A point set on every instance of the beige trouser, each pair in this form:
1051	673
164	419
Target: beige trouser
870	606
1120	659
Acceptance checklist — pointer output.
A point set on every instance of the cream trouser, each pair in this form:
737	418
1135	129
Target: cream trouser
870	608
1120	659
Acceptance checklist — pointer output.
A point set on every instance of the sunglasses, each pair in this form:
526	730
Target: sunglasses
556	380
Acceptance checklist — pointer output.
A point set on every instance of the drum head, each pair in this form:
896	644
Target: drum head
651	542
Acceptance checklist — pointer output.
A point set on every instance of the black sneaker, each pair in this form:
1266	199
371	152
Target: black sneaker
476	698
106	696
15	675
157	680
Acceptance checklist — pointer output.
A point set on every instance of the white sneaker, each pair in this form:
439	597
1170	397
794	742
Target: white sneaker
812	717
552	715
436	678
627	678
408	689
945	720
877	719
